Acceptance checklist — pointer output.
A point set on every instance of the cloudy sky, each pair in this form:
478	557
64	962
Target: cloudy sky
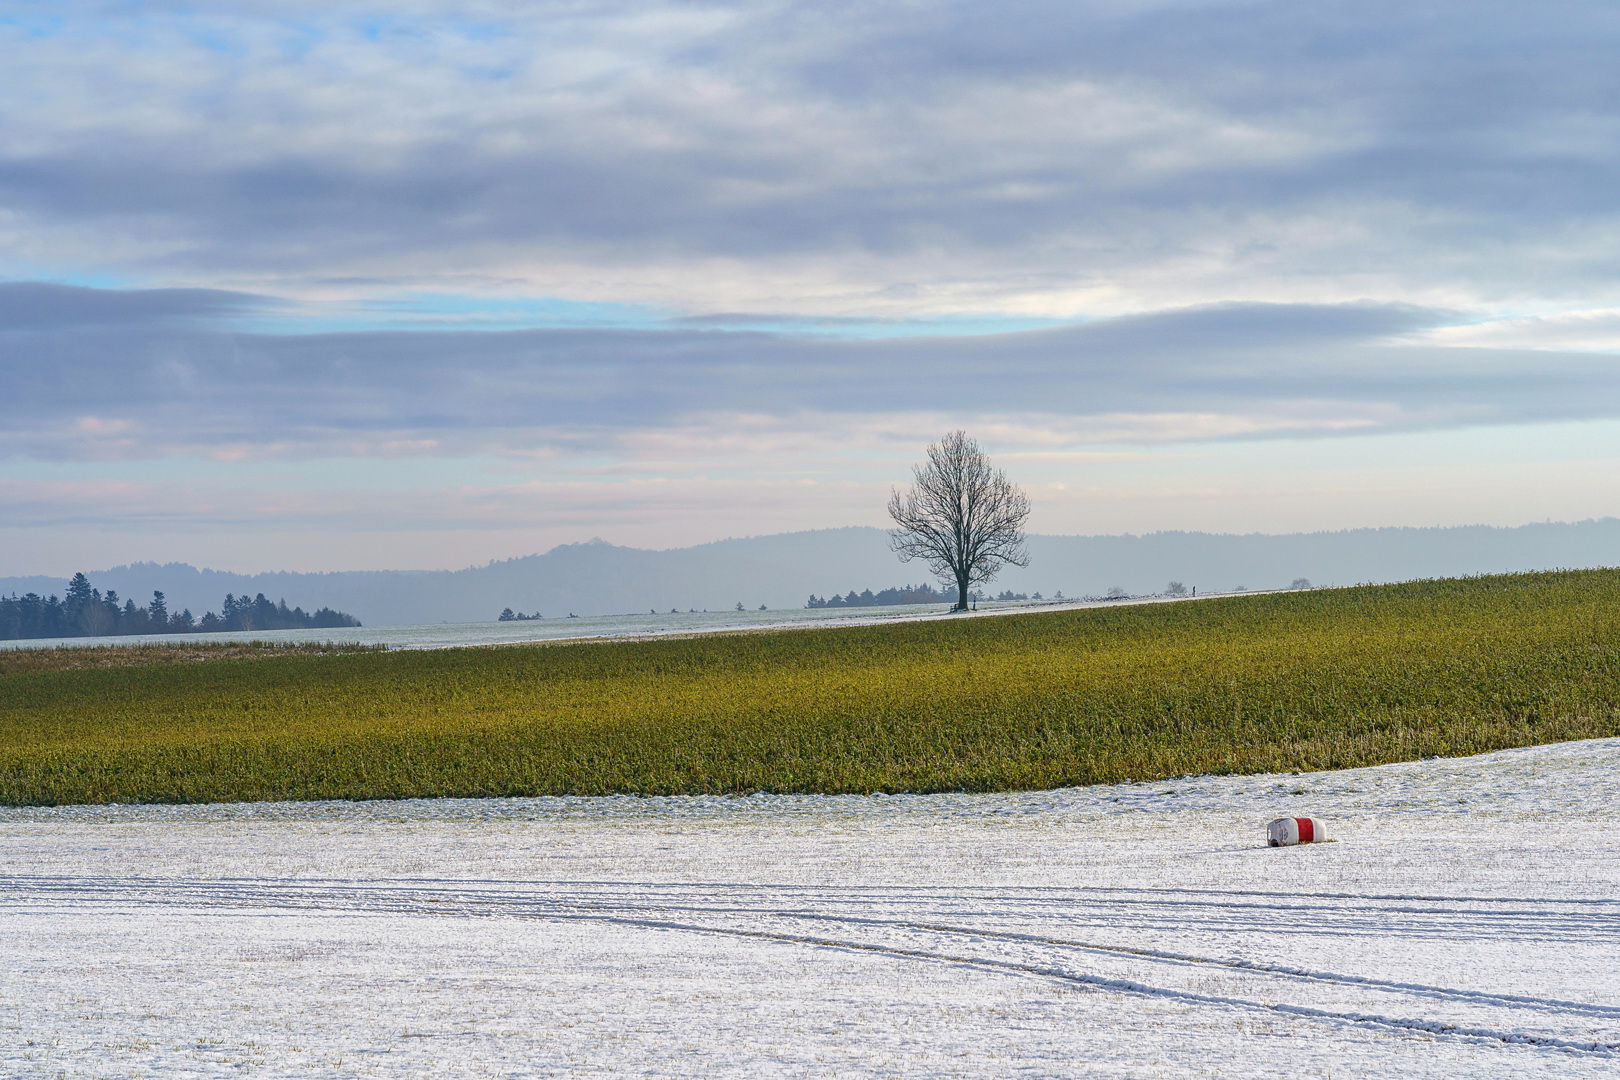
320	286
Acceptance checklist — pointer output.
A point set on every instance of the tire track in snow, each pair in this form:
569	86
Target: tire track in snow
1481	997
1452	924
1521	924
1127	986
650	912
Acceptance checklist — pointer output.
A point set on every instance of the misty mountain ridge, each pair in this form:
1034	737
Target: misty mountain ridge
782	570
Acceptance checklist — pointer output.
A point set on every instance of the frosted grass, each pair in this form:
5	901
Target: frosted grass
450	635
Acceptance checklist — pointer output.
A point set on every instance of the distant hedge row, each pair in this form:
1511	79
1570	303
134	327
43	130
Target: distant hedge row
85	612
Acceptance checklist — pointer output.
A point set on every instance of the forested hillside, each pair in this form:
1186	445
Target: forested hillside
85	611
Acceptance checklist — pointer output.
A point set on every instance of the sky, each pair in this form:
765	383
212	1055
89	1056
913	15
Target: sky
337	286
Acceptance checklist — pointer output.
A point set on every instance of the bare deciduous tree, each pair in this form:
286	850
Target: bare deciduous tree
962	517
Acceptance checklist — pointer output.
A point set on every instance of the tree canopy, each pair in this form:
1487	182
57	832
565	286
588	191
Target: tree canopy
961	516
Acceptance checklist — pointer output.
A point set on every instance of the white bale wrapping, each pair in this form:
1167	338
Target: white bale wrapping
1288	831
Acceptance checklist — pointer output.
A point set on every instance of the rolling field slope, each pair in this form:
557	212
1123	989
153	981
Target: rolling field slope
1326	679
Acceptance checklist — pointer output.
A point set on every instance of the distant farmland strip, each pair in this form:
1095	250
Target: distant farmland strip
179	651
1314	680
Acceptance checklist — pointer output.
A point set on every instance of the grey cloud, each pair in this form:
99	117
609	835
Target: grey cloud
38	305
1446	140
142	391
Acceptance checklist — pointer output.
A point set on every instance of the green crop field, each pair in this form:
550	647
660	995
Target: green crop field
1313	680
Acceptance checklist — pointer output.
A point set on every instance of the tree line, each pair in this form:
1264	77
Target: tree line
903	594
87	612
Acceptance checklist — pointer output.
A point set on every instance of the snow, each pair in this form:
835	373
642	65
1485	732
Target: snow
449	635
1465	923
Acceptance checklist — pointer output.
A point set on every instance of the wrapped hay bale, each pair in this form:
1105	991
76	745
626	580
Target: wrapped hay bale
1288	831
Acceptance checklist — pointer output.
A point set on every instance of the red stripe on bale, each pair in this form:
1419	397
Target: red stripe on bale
1307	830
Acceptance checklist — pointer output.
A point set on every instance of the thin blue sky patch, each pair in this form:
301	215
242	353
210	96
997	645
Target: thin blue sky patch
877	329
444	311
438	311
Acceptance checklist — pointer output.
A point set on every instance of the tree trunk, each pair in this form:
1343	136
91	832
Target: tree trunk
962	517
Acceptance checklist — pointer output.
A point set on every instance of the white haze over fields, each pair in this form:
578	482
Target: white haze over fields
781	572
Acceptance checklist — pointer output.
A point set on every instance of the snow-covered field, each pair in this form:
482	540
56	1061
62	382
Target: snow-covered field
653	625
1465	923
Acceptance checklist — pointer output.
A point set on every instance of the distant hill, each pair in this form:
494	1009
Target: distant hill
598	578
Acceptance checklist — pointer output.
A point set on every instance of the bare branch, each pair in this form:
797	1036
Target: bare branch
960	516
